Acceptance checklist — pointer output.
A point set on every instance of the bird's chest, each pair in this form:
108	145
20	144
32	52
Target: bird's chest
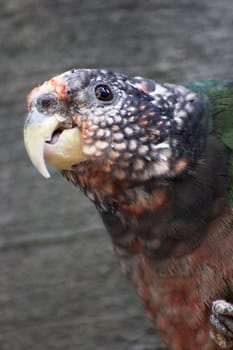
162	287
173	300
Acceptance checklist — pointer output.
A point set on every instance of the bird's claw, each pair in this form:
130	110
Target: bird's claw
222	321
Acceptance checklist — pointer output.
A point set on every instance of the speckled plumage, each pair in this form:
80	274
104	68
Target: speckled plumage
157	165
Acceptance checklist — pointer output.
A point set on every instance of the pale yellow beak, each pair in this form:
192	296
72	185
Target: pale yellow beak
62	153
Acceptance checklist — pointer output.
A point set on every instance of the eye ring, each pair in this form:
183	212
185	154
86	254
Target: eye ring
103	93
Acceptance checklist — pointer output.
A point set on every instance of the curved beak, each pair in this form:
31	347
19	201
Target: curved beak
61	152
38	130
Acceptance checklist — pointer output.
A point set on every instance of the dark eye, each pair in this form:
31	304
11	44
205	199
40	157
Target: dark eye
103	92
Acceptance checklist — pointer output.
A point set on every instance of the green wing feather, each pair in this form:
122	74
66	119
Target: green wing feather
218	99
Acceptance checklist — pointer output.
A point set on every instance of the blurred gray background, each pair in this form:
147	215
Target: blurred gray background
60	283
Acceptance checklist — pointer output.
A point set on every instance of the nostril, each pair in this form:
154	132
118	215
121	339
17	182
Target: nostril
47	103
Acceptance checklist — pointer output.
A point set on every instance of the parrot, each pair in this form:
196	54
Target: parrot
156	160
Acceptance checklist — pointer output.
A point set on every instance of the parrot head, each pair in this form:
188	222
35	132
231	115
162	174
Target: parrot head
139	129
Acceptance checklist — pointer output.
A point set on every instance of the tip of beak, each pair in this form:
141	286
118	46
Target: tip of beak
45	173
